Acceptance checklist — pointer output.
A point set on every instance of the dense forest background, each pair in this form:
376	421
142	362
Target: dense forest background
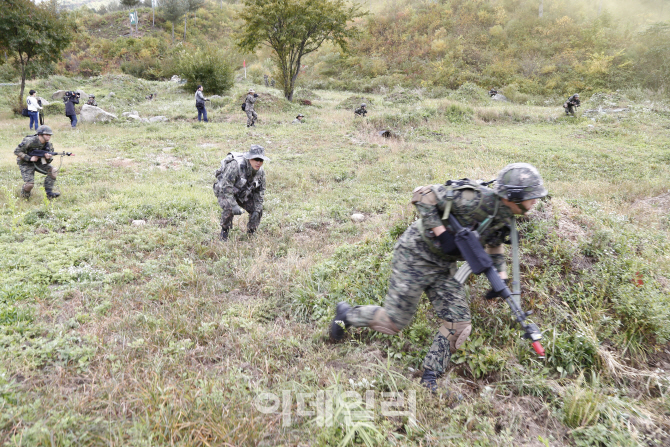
531	48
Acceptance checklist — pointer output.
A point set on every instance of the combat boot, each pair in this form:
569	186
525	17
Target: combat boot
251	231
336	330
224	234
25	194
52	195
429	380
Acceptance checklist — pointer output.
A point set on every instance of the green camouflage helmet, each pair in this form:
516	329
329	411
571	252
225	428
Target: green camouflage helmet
518	182
44	130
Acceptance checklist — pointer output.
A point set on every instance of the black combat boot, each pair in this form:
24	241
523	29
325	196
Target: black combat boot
52	195
429	380
251	231
336	331
224	234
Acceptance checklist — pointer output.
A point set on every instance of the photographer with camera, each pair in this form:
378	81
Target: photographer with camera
70	99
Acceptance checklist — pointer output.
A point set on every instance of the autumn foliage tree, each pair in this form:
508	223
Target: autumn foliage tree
33	33
295	28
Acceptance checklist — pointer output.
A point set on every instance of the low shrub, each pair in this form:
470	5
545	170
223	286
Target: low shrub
208	67
54	108
90	68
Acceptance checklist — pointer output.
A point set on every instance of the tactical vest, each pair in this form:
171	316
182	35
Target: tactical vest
242	183
479	219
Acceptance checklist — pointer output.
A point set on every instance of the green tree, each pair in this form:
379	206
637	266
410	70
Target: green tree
294	28
172	11
35	34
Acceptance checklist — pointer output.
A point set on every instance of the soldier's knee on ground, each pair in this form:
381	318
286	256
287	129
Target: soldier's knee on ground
381	322
456	333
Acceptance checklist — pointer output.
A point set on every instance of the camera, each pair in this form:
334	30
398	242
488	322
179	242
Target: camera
71	94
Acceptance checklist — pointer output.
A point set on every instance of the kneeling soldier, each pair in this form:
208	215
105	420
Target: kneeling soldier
28	164
361	111
424	259
241	183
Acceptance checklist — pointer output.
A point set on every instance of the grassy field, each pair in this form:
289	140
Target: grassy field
114	333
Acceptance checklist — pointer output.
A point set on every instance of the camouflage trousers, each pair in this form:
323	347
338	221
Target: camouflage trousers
416	270
252	116
250	206
570	110
28	174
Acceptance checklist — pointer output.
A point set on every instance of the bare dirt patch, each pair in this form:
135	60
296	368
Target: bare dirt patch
122	162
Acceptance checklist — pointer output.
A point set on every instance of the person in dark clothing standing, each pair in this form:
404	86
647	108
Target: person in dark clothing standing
200	104
70	99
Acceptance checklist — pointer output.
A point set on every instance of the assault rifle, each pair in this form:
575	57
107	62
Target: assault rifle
479	261
41	153
40	164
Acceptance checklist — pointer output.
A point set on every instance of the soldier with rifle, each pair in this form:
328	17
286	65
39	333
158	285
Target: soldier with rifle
240	184
35	153
361	111
571	104
461	220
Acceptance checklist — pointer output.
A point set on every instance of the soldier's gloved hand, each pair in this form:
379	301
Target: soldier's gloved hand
491	294
237	210
255	95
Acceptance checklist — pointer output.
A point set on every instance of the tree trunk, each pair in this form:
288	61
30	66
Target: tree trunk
185	16
23	79
541	8
172	32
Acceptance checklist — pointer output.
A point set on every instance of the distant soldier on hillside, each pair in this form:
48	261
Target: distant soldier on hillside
252	116
571	104
361	111
493	92
298	119
240	184
91	101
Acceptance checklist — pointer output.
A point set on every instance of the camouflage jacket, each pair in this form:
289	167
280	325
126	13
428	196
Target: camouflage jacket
236	180
27	145
471	205
362	111
572	101
249	101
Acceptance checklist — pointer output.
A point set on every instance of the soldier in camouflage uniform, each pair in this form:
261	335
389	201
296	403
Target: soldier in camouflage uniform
241	183
361	111
571	104
27	162
252	116
424	259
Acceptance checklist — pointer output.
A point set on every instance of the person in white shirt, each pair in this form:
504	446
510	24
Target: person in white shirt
33	108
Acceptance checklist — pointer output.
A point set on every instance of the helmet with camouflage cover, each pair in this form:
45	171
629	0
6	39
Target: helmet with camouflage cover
44	130
518	182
